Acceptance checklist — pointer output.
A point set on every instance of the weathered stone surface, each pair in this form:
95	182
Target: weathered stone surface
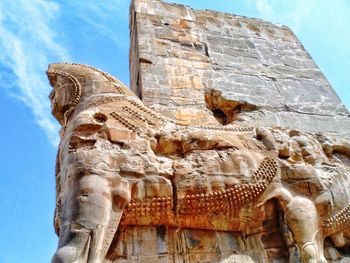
133	185
179	54
179	176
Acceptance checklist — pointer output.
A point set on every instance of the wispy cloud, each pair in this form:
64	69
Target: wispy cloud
27	45
293	12
38	32
300	14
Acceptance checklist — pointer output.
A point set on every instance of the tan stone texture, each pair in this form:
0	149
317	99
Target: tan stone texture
244	70
179	176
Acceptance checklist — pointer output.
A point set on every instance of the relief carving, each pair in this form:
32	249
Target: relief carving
122	164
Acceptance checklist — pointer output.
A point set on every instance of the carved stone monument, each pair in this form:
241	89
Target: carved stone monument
235	148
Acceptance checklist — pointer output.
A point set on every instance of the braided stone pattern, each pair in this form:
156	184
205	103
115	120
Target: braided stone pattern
233	198
132	111
139	116
157	208
135	116
234	129
126	122
338	222
98	100
151	113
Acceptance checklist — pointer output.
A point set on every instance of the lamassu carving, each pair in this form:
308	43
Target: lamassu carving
120	165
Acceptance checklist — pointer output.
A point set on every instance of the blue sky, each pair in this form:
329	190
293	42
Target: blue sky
37	32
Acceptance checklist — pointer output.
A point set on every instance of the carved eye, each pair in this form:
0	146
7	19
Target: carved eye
100	117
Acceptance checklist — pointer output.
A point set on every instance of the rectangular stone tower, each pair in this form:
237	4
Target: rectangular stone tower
193	65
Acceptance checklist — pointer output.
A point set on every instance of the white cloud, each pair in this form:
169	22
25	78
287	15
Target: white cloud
265	8
295	13
27	45
36	33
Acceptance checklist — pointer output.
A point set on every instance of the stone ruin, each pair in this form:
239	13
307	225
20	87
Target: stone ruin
235	147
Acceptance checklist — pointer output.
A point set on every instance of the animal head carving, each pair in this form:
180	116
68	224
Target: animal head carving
65	95
73	82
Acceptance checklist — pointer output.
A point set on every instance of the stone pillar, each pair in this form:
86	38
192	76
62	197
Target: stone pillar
195	65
